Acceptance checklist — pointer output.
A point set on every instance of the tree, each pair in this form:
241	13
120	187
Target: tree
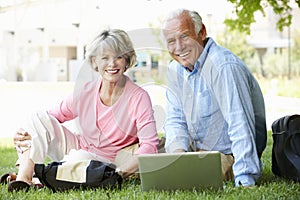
245	9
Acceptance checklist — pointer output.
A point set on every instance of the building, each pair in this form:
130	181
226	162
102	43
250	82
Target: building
44	40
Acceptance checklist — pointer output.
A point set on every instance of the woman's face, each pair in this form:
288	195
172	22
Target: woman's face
111	66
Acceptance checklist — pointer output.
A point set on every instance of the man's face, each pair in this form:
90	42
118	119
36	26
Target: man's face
184	45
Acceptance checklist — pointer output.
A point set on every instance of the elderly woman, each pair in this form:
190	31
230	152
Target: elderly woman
112	111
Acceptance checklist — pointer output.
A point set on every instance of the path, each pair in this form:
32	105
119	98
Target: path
18	100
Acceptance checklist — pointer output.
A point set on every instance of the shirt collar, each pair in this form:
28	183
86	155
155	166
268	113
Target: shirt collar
205	51
200	61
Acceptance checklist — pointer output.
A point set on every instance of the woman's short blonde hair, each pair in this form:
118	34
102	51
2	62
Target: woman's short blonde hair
114	40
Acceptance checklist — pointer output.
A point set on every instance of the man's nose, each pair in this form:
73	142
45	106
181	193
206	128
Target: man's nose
179	45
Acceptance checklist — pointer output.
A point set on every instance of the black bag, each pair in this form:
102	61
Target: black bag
62	176
286	147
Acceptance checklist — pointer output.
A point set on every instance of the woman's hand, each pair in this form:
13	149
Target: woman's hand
22	140
129	168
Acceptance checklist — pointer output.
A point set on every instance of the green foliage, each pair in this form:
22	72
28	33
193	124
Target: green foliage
296	46
245	9
156	31
283	9
280	87
236	42
275	63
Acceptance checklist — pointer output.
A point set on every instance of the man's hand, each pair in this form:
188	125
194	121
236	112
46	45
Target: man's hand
179	151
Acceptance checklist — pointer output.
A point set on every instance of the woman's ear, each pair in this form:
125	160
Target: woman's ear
93	60
94	63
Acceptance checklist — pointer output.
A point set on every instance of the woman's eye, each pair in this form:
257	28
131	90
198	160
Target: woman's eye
104	58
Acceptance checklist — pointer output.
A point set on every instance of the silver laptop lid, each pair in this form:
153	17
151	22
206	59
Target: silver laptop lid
171	171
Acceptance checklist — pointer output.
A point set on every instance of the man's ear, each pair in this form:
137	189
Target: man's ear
202	33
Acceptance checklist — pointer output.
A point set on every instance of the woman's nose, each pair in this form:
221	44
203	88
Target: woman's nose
112	62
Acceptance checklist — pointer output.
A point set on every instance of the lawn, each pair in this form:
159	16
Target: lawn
268	186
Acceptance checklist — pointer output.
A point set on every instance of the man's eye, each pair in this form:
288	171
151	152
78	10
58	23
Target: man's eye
184	36
170	42
104	58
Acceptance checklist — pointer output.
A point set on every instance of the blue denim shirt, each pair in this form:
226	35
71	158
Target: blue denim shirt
218	106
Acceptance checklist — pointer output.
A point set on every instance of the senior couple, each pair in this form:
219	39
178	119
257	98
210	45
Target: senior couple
213	103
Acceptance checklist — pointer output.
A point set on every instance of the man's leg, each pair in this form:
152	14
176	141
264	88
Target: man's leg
227	162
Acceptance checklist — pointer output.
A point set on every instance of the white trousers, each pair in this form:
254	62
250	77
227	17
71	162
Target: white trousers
50	138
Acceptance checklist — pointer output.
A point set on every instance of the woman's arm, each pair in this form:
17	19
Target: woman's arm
64	111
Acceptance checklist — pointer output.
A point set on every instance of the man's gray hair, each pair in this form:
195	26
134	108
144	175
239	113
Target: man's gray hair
196	18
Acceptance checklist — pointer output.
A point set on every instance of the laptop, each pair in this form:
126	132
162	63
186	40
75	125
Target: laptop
184	171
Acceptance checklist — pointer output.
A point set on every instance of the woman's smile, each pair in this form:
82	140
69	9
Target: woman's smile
112	71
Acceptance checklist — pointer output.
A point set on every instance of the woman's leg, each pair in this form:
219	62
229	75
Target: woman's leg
50	138
126	161
26	168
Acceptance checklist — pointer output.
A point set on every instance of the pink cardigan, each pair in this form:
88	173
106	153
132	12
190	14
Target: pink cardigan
107	129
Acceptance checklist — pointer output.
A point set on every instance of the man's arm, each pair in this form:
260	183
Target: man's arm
237	109
176	130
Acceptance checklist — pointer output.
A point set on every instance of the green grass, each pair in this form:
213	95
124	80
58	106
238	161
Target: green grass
280	86
268	186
